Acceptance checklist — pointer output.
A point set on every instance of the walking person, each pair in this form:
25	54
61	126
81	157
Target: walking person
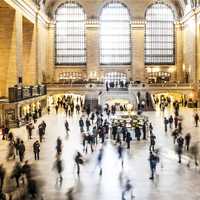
128	139
81	124
59	146
171	120
196	119
2	176
56	108
153	160
17	143
41	132
17	172
120	151
88	124
58	165
165	123
36	150
79	161
128	189
144	130
30	128
187	141
180	142
67	127
99	160
152	142
11	150
21	151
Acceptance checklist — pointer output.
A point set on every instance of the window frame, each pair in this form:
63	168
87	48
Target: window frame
129	37
173	62
74	64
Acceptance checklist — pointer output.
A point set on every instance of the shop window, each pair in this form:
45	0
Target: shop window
159	77
70	76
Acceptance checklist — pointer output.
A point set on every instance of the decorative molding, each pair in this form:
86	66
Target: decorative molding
29	10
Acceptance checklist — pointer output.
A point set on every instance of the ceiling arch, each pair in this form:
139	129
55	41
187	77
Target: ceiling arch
51	5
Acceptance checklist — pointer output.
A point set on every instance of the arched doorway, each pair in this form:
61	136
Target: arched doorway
115	78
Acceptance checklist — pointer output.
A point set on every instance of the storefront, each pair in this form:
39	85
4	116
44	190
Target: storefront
52	99
29	106
13	113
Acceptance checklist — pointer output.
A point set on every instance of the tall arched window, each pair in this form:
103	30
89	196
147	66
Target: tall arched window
70	35
159	35
115	34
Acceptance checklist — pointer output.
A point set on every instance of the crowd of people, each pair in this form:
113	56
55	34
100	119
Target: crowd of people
97	129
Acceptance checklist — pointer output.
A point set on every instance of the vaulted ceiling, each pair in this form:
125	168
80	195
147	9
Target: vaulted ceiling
51	5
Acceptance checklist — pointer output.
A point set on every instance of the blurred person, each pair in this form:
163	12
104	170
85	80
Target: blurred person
120	151
59	146
36	150
187	141
99	160
59	167
30	128
196	119
128	189
194	152
180	143
171	120
21	151
2	176
17	172
79	161
153	160
11	150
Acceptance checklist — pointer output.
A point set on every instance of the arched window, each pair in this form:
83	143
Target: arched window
115	35
70	35
159	35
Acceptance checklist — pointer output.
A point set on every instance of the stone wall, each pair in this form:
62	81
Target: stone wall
23	45
8	70
29	53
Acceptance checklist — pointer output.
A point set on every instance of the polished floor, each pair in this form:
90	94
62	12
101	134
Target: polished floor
173	181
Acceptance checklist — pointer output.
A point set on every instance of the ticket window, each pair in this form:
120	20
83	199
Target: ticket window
159	77
115	77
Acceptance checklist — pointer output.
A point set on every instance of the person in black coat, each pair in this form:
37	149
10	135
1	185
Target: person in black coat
180	142
187	141
2	176
21	151
36	150
114	131
144	130
128	139
81	124
137	133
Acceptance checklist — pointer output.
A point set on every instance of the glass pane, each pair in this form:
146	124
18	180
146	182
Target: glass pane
115	35
70	34
159	35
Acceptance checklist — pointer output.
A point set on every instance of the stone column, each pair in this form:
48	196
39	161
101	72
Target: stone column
51	54
29	52
189	49
92	46
198	47
179	54
138	67
19	46
8	71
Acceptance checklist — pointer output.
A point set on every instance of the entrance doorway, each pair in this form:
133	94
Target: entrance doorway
115	79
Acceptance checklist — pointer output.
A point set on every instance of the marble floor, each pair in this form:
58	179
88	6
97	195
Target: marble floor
173	180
